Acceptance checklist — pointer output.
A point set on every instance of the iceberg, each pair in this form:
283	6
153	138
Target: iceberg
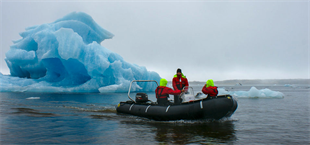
289	85
253	93
66	56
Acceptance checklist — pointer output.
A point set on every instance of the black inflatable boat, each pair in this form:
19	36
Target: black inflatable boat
198	108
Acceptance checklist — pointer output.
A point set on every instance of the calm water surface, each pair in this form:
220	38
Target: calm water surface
49	118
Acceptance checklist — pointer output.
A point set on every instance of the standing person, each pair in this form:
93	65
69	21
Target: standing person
179	81
209	89
162	92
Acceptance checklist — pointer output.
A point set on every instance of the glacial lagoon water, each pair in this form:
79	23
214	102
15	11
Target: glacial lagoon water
90	118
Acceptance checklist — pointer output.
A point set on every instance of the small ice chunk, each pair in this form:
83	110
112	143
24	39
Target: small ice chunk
33	98
253	93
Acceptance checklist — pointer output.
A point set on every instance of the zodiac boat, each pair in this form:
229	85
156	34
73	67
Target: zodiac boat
193	107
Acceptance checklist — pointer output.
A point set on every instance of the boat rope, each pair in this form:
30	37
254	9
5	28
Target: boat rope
201	105
130	107
147	108
167	108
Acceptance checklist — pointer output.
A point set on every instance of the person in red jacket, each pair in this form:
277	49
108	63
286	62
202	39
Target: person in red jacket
162	92
179	81
209	89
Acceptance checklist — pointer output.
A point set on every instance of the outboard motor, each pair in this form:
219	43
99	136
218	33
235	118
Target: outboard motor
141	98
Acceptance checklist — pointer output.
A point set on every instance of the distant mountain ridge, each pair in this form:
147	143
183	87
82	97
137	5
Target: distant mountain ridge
257	81
265	81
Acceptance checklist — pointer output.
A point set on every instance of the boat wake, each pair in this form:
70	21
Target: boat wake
105	109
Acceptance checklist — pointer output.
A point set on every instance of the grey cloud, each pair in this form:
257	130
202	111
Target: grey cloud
220	40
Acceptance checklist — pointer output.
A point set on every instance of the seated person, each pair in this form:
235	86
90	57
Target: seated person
162	92
209	89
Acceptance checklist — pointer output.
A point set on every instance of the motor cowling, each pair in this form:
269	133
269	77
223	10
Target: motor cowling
141	97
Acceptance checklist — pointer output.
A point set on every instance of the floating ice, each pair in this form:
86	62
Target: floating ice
66	56
238	84
289	85
253	93
32	98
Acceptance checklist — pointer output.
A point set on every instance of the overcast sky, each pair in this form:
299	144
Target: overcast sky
217	40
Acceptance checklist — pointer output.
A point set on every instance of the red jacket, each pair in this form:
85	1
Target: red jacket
179	82
163	92
210	91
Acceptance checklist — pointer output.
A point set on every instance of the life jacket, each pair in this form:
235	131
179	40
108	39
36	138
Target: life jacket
159	93
180	84
214	89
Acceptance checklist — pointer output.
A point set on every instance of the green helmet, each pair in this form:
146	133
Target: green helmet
210	83
163	82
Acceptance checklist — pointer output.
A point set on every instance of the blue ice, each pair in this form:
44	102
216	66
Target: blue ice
66	56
